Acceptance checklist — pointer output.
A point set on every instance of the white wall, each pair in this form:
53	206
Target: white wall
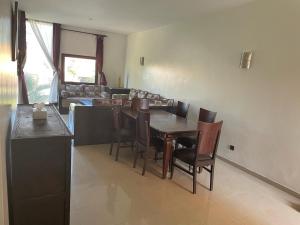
8	97
5	113
198	62
84	44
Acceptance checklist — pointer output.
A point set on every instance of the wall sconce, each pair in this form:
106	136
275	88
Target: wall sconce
142	61
246	60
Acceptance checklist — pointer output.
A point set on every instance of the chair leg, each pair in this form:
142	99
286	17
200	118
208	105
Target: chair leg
111	148
211	186
135	157
176	145
199	169
145	162
172	168
118	149
132	145
156	156
170	161
194	179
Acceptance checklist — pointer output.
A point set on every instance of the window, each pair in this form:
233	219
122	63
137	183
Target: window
38	73
79	69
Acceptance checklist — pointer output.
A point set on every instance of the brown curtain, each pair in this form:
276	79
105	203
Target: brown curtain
55	56
99	60
56	45
22	57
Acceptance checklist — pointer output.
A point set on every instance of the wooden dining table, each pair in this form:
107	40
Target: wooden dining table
168	126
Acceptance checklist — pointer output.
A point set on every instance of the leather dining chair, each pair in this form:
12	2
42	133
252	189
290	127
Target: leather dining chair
142	137
204	116
182	109
202	155
140	103
120	134
135	104
144	104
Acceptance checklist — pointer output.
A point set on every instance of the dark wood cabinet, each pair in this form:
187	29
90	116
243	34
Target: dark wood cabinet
39	169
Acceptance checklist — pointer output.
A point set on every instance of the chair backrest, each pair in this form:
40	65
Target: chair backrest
143	128
208	138
207	116
182	109
140	104
144	103
116	111
135	104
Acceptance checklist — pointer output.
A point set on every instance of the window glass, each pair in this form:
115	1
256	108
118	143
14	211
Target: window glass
79	70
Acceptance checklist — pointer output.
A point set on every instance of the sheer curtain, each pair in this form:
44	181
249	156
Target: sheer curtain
42	38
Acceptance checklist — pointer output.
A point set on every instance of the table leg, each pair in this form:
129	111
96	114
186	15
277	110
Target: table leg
166	156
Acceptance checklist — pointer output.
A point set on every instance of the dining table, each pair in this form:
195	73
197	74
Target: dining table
168	127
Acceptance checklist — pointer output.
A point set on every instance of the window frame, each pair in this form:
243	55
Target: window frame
64	55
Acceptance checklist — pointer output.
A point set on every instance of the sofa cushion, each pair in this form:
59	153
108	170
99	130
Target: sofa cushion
153	96
75	90
166	101
105	95
142	94
92	93
64	94
132	94
93	90
74	94
62	87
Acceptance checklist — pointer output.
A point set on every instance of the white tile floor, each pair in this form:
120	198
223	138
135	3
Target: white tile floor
113	193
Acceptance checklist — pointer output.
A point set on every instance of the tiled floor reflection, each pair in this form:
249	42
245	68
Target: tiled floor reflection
105	192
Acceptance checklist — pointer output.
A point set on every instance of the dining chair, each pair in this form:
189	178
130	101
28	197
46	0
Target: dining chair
135	104
144	104
120	134
142	137
182	109
202	155
140	103
204	116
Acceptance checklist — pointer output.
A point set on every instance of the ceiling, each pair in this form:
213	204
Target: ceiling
121	16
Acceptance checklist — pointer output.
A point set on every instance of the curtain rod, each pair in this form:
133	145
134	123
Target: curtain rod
84	32
101	35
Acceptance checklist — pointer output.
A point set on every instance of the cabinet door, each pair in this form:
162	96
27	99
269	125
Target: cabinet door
39	167
40	211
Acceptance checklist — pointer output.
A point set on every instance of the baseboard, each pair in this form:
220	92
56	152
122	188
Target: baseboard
274	184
